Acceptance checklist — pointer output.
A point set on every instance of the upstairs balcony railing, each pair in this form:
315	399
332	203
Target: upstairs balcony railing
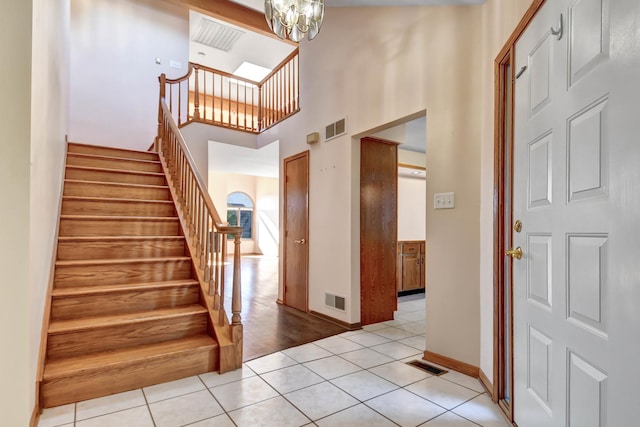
205	95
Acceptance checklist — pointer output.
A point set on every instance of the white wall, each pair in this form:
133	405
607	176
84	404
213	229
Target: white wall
499	19
412	208
35	37
114	77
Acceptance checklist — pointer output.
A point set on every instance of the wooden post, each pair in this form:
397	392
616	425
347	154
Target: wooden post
162	79
236	302
196	101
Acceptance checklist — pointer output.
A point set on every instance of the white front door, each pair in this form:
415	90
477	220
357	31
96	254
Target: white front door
577	193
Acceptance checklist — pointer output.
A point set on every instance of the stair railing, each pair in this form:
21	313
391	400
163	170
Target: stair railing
206	235
206	95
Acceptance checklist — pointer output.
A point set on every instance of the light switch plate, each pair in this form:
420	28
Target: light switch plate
444	200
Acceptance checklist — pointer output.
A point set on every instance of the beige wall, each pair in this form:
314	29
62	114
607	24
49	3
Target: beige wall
15	85
31	159
499	19
114	90
412	204
403	61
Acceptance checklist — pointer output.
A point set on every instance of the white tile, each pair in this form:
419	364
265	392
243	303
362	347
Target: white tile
483	411
307	352
52	417
292	378
374	326
395	350
396	322
270	363
173	389
368	339
464	380
394	333
364	385
442	392
134	417
400	373
413	357
185	409
418	342
405	408
351	333
242	393
332	367
356	416
366	358
108	404
214	379
449	419
219	421
321	400
413	316
338	345
418	328
272	412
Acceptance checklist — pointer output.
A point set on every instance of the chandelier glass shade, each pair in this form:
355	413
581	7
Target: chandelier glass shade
294	19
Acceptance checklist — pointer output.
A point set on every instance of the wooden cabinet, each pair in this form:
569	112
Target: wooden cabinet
410	268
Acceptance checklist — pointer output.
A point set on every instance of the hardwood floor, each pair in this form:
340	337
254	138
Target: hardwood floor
269	326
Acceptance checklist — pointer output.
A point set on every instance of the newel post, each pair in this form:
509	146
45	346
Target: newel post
196	100
236	301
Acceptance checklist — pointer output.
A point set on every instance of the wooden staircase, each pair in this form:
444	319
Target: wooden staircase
127	309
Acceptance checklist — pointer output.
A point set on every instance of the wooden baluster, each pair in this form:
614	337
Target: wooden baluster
204	83
221	97
245	107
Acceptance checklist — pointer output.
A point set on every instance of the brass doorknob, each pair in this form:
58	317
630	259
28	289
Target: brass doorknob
514	253
301	241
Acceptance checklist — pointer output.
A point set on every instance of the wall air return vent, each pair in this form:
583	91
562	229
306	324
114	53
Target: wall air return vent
216	35
336	129
334	301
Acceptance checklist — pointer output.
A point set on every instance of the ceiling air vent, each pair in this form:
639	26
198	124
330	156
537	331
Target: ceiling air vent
216	35
336	129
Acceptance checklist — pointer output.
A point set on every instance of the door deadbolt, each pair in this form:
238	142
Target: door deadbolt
517	227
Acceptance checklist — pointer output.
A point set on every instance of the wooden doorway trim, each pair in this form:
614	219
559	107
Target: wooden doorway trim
301	241
503	123
378	229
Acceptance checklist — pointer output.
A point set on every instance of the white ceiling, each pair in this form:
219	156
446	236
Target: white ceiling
244	161
259	4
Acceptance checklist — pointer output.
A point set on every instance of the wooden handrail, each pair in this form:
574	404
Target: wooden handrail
279	66
204	230
207	95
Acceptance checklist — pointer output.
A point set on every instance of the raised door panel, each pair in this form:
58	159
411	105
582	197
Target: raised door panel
410	271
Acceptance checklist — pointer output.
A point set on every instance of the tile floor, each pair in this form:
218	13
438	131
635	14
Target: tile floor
357	378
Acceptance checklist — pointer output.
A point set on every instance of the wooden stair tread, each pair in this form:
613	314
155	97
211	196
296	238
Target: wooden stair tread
85	262
109	148
115	199
133	172
118	184
63	326
120	218
71	239
56	368
105	289
125	159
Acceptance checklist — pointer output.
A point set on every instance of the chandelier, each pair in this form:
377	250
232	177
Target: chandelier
294	19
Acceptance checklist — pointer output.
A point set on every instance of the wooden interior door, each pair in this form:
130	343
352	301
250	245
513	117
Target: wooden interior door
296	231
378	229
